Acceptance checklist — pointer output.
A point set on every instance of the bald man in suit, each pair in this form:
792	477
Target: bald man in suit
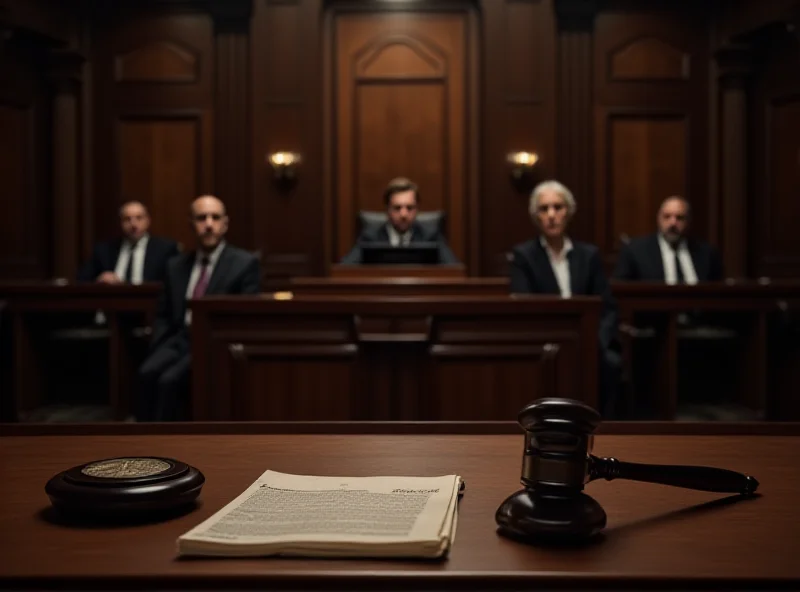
214	267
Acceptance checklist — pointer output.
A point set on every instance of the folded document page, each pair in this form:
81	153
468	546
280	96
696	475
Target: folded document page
301	515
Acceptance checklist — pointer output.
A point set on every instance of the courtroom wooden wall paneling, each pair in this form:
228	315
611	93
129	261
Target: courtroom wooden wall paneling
53	22
232	116
31	126
575	104
25	229
518	108
738	18
287	104
621	99
651	117
774	190
154	111
400	84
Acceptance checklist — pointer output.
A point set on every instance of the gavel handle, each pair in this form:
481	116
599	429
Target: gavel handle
689	477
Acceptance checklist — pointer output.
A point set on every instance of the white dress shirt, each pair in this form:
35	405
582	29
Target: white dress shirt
560	265
668	260
396	239
136	251
213	257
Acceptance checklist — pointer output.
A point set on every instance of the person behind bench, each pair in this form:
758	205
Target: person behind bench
134	258
402	229
670	255
554	264
215	267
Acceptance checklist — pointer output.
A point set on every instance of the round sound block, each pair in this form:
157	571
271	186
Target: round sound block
126	487
548	519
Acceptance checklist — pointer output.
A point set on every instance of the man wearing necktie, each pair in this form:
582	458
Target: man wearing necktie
670	255
134	258
214	267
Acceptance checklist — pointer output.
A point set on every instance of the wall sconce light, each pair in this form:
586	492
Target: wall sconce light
522	163
284	164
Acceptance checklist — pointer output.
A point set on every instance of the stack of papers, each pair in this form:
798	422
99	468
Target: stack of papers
309	516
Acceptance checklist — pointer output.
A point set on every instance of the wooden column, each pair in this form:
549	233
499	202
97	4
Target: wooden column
65	73
734	66
232	114
574	107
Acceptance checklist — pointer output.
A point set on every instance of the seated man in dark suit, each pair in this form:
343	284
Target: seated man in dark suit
213	268
133	259
669	255
555	264
401	197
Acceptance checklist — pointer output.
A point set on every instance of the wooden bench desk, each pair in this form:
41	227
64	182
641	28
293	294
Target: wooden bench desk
657	537
389	358
746	308
398	286
33	306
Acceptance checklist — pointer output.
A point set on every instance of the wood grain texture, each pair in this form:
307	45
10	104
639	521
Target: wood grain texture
519	94
651	134
648	58
156	61
647	161
36	308
153	82
162	158
744	382
773	204
382	358
25	231
575	152
65	73
740	18
656	535
232	158
507	427
390	286
288	223
54	22
400	90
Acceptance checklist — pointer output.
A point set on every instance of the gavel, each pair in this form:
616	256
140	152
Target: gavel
557	463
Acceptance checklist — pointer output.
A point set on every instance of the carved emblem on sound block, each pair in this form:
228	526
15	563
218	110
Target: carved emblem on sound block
125	468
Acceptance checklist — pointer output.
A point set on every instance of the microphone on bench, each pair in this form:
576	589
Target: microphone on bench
557	463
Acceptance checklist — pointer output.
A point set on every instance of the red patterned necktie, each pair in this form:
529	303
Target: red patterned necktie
202	281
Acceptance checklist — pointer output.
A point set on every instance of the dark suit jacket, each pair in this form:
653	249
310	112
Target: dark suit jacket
235	272
380	234
105	254
531	272
641	260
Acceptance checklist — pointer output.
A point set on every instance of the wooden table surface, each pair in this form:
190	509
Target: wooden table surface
657	536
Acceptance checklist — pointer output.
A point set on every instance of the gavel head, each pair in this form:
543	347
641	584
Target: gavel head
559	434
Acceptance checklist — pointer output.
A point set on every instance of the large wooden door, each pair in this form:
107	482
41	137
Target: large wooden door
400	95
